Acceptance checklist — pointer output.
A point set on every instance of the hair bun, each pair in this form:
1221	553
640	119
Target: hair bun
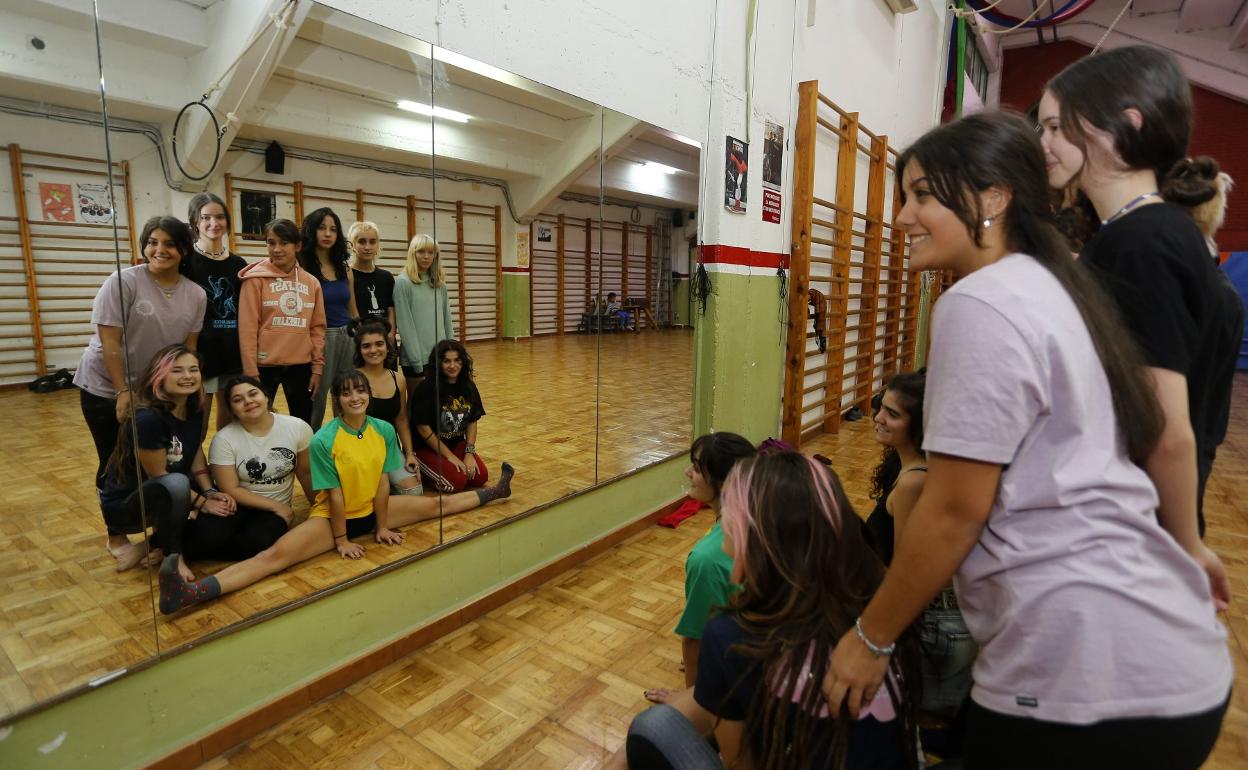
1191	181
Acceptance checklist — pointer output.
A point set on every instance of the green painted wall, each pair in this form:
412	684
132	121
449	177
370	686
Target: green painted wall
681	315
145	716
739	357
516	305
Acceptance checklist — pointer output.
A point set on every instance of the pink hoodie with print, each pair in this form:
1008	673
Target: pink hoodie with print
281	318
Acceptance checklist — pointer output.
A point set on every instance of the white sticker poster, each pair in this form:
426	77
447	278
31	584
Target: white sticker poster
93	203
735	175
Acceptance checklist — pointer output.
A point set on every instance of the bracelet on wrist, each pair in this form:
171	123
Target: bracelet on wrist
470	449
876	650
339	537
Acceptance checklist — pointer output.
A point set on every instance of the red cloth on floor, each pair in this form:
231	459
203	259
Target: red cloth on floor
686	509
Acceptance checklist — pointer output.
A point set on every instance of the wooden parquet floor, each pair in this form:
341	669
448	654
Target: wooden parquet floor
552	679
66	617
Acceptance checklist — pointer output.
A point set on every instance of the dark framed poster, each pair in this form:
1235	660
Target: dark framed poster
259	208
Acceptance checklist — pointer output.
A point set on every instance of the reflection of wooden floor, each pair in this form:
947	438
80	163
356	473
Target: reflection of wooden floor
66	617
552	679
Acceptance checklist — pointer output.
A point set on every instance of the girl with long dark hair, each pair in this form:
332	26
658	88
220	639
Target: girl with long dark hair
805	573
444	414
350	458
215	268
323	253
281	322
375	357
1117	125
1099	641
156	306
898	478
173	488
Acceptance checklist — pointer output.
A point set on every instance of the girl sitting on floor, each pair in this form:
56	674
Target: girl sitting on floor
376	357
350	456
255	460
174	491
444	414
786	522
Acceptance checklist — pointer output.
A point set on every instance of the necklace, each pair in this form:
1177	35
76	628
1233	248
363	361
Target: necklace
1130	205
212	254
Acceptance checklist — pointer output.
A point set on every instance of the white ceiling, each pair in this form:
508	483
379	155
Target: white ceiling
334	86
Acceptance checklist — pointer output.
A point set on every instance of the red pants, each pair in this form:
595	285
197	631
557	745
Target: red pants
438	473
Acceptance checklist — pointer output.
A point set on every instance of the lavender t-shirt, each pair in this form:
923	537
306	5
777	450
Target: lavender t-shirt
155	321
1083	606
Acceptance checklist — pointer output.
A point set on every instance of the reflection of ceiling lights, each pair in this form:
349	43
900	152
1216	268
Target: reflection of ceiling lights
659	167
433	112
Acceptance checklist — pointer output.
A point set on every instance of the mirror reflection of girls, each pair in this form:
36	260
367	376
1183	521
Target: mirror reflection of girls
350	459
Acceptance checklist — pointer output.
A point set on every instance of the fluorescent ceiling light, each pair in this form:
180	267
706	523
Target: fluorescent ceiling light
434	112
652	166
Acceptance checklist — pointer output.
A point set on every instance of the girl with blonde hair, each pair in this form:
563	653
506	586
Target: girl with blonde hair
373	285
422	308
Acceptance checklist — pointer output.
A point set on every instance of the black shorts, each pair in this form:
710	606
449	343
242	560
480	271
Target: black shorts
364	525
411	372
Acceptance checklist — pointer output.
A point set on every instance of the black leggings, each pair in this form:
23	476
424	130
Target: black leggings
996	740
166	500
100	415
294	380
231	538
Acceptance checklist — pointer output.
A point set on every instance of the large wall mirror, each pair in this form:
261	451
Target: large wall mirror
531	247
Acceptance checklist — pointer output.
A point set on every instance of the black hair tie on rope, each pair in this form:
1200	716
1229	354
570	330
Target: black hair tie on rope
216	133
701	286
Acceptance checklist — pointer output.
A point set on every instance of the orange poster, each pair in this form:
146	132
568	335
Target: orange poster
57	201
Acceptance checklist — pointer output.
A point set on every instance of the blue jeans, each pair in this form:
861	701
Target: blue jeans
948	654
661	738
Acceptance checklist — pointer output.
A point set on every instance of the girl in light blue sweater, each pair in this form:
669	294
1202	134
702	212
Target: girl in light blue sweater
422	309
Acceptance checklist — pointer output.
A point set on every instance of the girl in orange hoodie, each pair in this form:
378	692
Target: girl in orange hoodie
281	322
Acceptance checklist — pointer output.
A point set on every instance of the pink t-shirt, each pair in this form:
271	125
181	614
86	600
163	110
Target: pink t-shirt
1084	608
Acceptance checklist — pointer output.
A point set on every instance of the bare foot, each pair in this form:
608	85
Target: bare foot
127	554
660	695
154	558
185	571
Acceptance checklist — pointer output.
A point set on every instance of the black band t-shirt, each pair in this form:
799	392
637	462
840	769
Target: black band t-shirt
159	429
218	339
448	410
374	294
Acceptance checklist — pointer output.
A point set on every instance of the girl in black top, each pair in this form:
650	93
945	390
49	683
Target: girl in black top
215	268
805	574
1117	125
444	413
376	357
899	477
175	486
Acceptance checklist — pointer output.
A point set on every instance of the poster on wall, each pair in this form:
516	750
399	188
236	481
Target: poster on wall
57	201
771	206
93	203
522	248
773	155
735	184
544	234
259	208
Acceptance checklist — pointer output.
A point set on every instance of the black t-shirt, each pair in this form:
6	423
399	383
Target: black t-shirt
451	408
1155	263
725	686
218	339
374	293
159	429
